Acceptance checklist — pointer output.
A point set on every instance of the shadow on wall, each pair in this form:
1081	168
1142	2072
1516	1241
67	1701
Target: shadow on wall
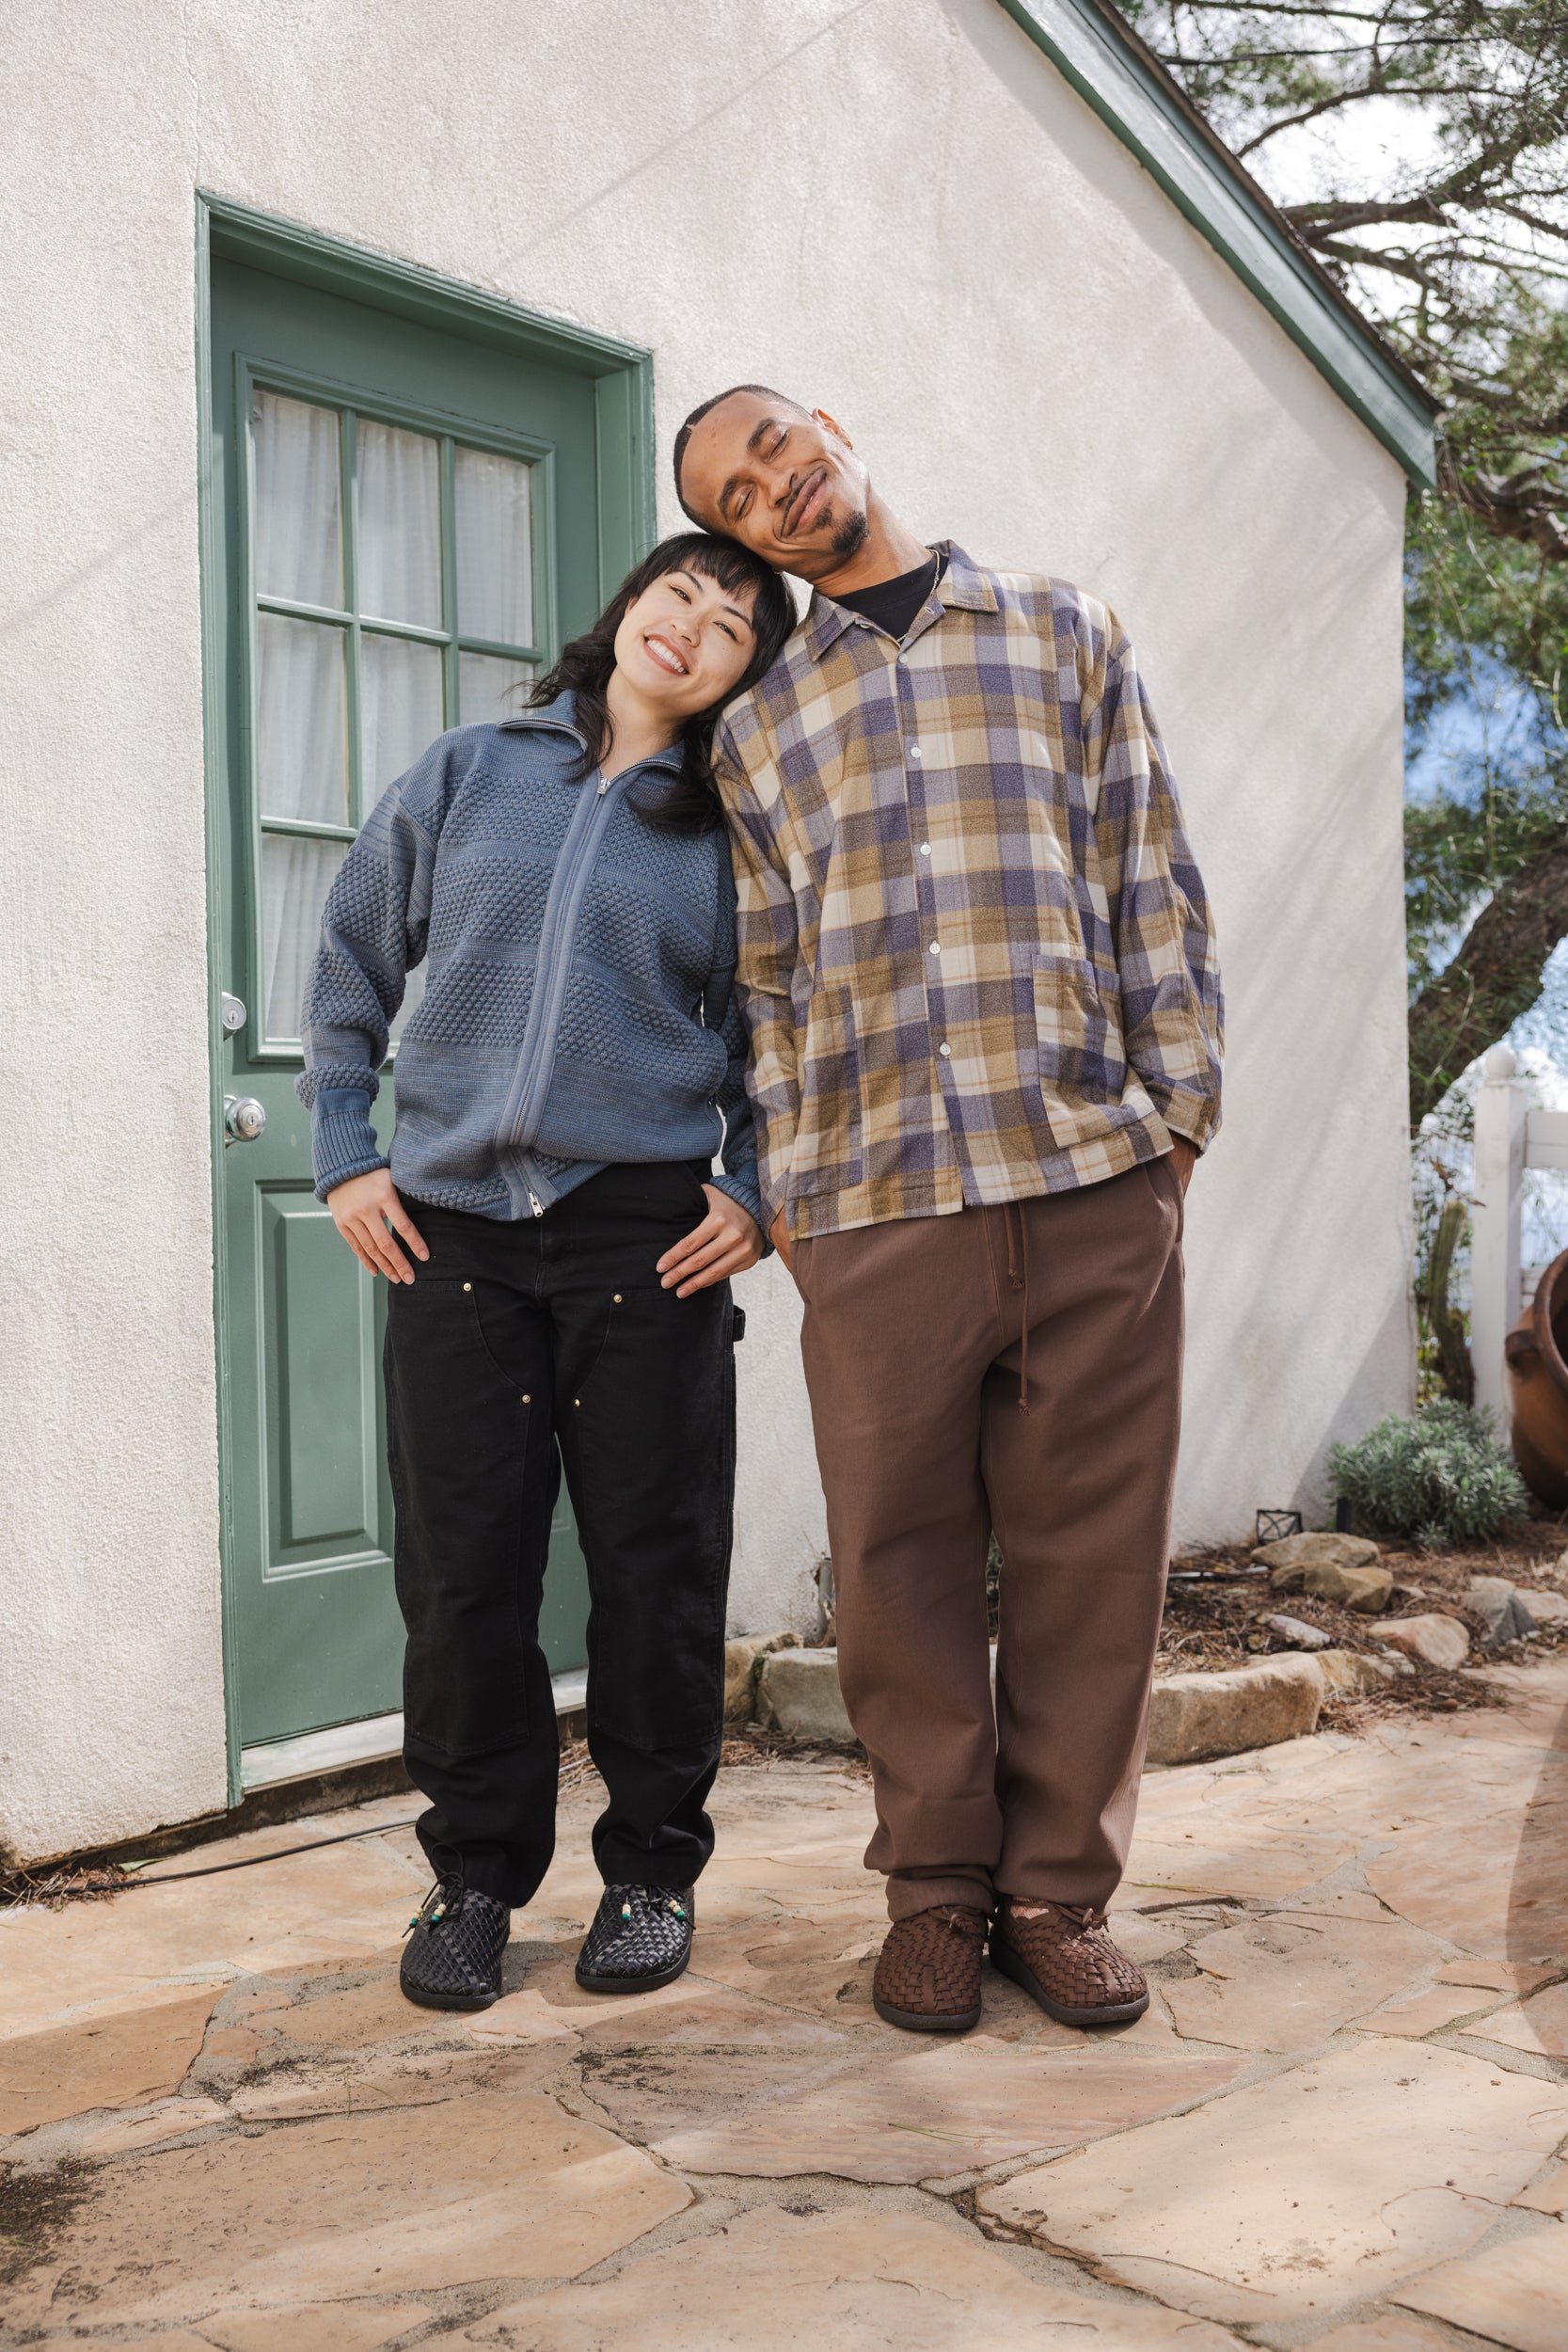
1258	1389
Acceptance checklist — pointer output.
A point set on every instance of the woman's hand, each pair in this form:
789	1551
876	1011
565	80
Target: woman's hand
726	1242
361	1210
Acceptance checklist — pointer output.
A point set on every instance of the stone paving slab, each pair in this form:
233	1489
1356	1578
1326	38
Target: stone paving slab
1514	2294
958	2108
1297	2194
848	2283
1343	2120
485	2185
118	2060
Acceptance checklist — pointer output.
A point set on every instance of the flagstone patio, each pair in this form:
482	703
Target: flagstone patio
1342	2123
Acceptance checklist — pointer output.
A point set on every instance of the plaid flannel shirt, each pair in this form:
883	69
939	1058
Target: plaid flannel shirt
975	959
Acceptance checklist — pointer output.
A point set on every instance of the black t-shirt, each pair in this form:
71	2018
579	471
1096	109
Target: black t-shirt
893	604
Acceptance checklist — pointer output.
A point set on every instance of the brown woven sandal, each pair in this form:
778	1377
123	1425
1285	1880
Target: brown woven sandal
1064	1957
928	1972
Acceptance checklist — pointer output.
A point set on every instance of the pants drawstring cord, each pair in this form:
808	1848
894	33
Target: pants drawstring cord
1018	1275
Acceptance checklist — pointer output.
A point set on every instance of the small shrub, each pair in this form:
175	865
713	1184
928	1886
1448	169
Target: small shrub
1440	1476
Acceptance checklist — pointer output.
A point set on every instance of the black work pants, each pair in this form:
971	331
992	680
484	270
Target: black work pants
512	1341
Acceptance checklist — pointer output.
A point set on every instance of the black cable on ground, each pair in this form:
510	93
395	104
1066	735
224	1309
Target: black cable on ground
213	1870
248	1861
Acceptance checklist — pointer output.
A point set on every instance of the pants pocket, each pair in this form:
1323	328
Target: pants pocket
474	1478
649	1447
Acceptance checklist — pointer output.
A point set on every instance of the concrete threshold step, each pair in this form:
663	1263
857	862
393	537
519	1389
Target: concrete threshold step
371	1741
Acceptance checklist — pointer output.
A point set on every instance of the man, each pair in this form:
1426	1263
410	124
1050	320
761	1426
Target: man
978	973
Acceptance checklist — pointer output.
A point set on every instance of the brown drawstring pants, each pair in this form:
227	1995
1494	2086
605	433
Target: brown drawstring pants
1016	1368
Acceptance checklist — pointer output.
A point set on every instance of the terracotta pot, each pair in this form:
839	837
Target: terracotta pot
1537	1354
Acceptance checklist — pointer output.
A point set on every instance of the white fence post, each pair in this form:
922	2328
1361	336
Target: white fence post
1500	1110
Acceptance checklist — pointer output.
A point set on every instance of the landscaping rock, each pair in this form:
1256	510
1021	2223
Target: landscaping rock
1367	1589
1297	1634
1502	1610
1349	1672
1328	1549
1547	1608
1435	1640
1195	1715
742	1658
797	1694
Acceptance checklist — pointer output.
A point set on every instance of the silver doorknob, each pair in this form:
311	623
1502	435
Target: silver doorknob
243	1118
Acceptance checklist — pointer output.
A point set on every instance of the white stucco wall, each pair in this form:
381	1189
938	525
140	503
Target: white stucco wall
893	207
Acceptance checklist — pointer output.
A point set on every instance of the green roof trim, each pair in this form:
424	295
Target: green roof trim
1110	68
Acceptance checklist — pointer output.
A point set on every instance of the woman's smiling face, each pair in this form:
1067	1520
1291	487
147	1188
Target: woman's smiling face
684	643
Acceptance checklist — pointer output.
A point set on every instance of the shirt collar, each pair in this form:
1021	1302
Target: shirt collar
962	584
563	713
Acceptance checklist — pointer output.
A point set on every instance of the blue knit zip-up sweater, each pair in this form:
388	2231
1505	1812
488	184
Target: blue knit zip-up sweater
578	1008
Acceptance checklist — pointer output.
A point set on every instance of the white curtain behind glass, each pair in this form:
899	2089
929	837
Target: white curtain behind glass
301	744
495	549
399	518
298	507
297	876
489	688
399	703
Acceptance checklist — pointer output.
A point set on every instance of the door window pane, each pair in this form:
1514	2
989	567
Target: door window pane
400	704
495	549
399	546
301	743
489	688
412	994
299	538
297	876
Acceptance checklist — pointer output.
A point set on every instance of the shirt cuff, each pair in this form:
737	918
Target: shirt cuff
342	1141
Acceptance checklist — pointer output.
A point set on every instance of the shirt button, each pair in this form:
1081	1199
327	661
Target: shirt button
924	848
945	1050
936	947
915	752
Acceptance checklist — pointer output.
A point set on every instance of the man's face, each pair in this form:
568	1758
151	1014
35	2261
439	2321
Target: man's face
787	485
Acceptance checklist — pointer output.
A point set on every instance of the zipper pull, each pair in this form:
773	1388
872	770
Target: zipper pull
603	790
535	1204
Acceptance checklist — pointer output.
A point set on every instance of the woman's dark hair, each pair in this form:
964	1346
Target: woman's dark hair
690	804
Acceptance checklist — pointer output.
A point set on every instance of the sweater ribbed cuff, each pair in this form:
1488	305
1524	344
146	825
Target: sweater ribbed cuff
342	1142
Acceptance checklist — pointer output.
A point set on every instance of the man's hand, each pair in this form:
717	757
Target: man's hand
1183	1159
780	1239
362	1210
726	1242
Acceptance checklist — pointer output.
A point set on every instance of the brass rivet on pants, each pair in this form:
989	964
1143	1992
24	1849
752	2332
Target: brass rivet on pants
528	1400
617	1298
577	1400
467	1286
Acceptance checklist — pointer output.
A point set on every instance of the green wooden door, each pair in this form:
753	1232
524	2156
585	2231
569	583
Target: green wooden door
404	522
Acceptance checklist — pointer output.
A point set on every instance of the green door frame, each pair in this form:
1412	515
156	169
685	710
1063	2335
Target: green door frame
622	381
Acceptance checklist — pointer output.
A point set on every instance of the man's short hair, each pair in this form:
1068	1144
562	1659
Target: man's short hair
763	391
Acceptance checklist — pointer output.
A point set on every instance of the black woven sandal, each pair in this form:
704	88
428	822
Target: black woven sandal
640	1938
456	1939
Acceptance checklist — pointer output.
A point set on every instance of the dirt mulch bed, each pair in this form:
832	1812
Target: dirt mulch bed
1215	1611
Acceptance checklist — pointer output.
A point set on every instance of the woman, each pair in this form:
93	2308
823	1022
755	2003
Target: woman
561	1087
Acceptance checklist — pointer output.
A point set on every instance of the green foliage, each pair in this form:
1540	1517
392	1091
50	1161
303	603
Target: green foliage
1486	624
1440	1476
1420	149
